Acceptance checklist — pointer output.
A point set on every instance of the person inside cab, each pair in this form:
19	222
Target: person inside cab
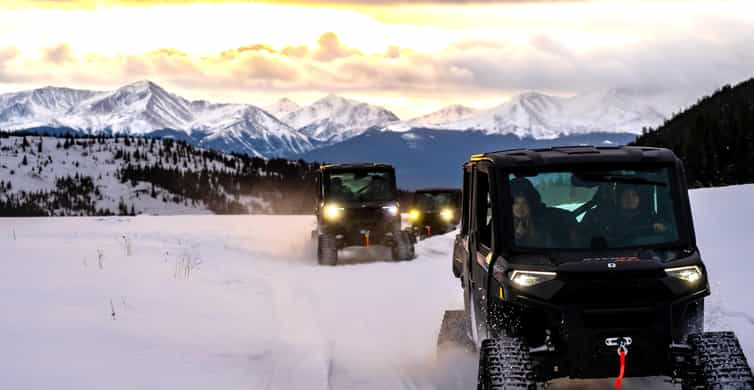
634	213
338	190
527	215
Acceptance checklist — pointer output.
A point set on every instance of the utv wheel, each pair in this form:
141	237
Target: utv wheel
453	333
718	362
402	249
505	364
327	250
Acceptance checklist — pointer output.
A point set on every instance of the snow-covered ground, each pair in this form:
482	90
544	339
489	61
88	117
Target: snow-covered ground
197	302
47	161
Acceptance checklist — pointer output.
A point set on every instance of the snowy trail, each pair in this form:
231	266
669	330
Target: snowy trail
239	303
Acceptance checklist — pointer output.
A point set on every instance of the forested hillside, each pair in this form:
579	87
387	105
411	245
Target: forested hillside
44	176
715	137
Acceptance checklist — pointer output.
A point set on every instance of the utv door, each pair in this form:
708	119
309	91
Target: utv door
480	248
461	243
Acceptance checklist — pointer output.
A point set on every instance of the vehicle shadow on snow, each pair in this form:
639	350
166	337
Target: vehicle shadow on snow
457	369
362	255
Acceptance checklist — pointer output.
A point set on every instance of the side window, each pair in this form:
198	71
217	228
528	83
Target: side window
484	211
465	210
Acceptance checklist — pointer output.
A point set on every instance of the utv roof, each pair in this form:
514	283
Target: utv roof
355	166
438	189
576	155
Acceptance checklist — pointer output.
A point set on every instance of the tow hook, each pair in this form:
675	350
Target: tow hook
622	343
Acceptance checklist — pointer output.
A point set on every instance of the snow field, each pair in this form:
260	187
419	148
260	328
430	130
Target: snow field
239	302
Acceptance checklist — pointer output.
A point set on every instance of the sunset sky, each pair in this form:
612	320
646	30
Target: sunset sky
410	56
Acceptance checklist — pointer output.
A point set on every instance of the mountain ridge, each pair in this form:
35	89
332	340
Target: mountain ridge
144	108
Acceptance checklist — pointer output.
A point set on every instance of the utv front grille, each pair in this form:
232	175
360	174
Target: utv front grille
635	318
612	288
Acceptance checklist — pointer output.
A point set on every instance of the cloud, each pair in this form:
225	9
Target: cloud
464	72
92	3
7	54
58	54
330	48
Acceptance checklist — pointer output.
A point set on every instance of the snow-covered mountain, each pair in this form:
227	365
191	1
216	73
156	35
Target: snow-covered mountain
287	129
145	108
449	114
545	117
334	119
33	108
282	107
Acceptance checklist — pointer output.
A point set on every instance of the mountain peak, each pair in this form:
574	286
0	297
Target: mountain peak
334	100
334	118
447	114
141	85
282	107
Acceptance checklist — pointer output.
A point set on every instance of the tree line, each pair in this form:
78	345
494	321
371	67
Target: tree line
714	137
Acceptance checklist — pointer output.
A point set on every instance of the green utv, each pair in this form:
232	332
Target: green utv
434	211
582	262
357	205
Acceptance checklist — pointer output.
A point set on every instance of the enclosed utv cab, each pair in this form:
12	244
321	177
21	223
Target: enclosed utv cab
434	211
358	206
582	262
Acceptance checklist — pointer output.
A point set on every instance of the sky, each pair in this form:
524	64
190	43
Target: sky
410	56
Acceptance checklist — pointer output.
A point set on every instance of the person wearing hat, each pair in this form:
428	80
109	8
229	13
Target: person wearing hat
527	213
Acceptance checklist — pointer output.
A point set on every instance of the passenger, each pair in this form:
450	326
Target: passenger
634	214
377	187
527	227
338	190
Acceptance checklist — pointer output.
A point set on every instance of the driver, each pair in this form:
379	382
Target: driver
337	189
634	211
527	204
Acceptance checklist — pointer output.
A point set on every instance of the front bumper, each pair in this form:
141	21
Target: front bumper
352	227
582	314
430	224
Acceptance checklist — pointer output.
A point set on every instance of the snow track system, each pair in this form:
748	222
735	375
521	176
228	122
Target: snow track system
505	364
718	362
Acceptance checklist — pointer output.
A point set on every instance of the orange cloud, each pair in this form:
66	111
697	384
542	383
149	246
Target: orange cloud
58	54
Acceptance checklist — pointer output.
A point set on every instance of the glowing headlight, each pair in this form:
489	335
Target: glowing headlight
530	278
392	210
691	274
446	215
332	212
414	215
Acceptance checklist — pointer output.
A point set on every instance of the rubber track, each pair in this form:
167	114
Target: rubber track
505	364
403	248
720	361
327	251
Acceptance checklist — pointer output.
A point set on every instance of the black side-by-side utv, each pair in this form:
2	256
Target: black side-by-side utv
434	211
358	206
582	262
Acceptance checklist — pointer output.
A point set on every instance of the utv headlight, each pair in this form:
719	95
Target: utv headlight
414	215
446	215
690	274
392	210
333	212
530	278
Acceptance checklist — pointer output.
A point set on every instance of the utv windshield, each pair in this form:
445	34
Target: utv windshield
360	186
583	210
435	200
